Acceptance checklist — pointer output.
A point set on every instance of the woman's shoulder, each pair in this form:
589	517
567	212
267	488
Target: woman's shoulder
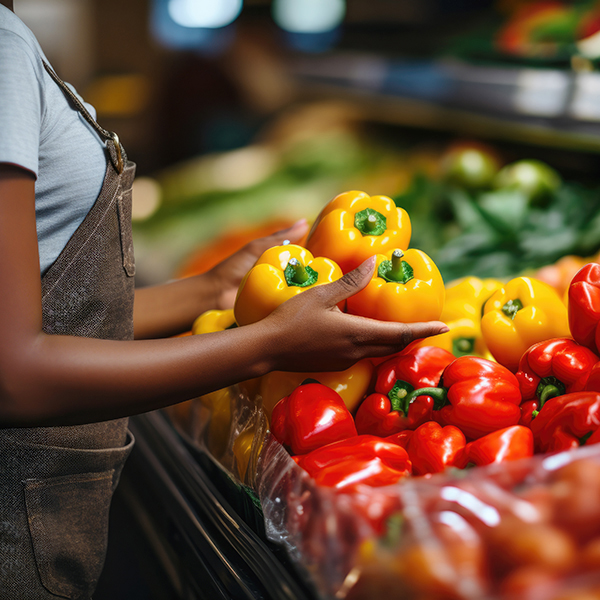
16	37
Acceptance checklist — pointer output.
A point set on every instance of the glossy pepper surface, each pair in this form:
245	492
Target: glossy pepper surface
431	448
552	368
476	395
312	416
567	422
387	411
525	311
214	320
280	273
405	287
510	443
584	306
351	384
354	226
466	297
359	460
463	339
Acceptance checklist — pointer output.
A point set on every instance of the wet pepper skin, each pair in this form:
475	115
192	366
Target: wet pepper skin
344	232
387	411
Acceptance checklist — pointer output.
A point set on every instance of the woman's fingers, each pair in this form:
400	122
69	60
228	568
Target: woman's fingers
352	282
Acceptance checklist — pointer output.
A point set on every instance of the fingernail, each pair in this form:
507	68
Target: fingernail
302	221
444	329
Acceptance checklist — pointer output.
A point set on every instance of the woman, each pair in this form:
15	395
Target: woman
71	371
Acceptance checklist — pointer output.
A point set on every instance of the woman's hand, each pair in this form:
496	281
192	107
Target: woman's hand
228	274
311	334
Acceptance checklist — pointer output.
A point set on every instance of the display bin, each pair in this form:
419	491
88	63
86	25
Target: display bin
206	528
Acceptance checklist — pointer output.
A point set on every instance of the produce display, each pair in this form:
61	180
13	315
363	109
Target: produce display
452	469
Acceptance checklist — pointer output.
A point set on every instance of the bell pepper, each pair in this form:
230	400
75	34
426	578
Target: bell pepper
525	311
466	297
567	422
476	395
280	273
584	307
312	416
405	286
246	447
552	368
463	339
510	443
354	226
351	384
431	448
363	459
219	425
214	320
386	411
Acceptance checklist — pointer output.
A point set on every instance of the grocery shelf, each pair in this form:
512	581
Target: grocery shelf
190	513
548	107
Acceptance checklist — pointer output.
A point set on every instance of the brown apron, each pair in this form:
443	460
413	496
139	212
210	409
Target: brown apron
56	483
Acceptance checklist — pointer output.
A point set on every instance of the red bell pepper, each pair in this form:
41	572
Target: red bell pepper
476	395
510	443
363	459
567	422
552	368
388	411
312	416
584	307
432	448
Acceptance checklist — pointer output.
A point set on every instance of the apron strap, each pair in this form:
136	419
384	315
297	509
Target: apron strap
107	136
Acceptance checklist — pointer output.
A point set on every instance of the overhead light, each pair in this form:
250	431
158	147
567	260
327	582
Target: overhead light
309	16
210	14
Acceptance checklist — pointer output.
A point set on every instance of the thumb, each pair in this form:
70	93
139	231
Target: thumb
348	285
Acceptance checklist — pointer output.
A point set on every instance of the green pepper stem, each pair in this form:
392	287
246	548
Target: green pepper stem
300	275
512	307
439	395
371	222
549	391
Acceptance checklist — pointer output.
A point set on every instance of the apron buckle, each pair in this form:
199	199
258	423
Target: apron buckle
117	144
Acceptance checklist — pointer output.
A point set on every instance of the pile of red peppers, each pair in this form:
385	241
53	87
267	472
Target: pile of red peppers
427	410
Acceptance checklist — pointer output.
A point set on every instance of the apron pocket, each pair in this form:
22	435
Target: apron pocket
69	539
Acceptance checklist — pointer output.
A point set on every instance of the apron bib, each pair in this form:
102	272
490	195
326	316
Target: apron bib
56	483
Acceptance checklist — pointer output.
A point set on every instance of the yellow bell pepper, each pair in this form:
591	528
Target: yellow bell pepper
219	425
354	226
213	320
466	297
463	339
405	287
521	313
245	447
219	320
351	384
279	274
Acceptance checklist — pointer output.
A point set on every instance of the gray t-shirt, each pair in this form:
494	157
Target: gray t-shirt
42	133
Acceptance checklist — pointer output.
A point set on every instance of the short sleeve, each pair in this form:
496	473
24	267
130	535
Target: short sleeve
20	103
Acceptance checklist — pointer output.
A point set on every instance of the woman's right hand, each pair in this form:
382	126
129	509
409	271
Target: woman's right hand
310	333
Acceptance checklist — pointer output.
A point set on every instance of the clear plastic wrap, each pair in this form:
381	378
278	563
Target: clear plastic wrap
524	530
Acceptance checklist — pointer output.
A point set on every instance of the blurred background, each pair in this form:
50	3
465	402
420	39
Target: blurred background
244	115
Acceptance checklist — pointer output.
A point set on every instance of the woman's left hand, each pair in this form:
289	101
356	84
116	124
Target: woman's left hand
228	274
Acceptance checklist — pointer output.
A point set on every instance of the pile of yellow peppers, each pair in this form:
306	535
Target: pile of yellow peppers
486	317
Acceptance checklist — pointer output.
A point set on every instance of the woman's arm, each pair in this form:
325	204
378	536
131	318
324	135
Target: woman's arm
48	380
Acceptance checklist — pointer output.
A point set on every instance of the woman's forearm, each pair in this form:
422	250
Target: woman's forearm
169	309
69	380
